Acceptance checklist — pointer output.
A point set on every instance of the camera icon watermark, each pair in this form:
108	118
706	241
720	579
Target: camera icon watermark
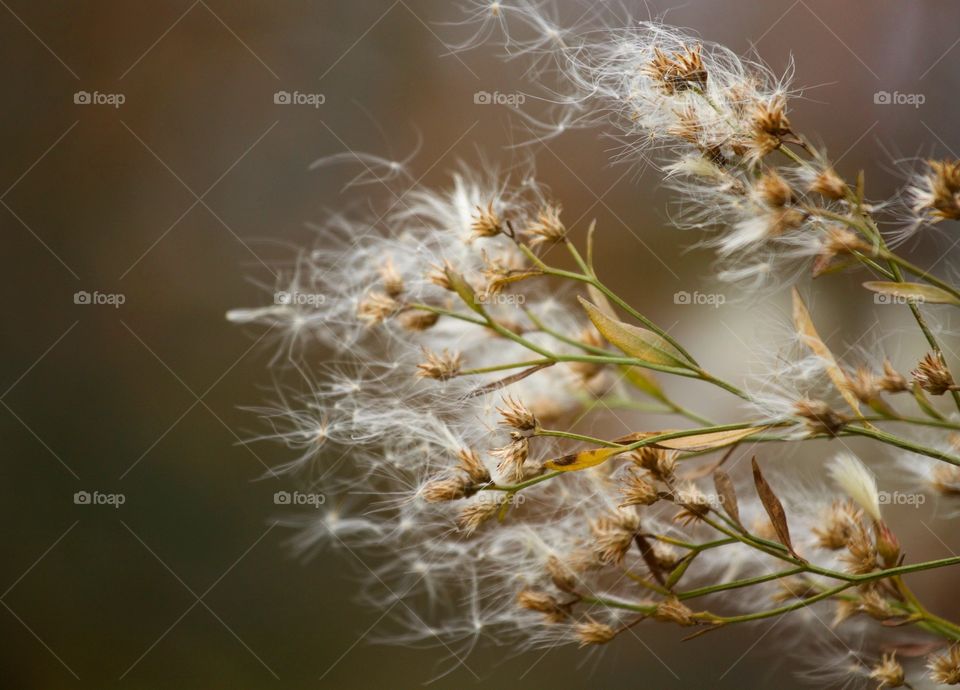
298	299
898	498
298	498
297	98
97	498
515	499
710	299
512	100
502	299
113	299
97	98
886	298
897	98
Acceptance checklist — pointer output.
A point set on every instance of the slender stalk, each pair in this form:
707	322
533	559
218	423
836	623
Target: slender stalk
903	443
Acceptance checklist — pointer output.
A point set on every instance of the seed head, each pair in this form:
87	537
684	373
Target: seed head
475	514
471	463
829	184
769	126
946	479
932	375
889	672
613	535
548	228
892	381
561	575
544	603
678	71
693	504
673	611
945	668
660	463
377	307
875	605
773	189
441	490
839	521
515	414
512	456
486	223
418	319
593	632
392	281
441	366
861	554
440	276
888	546
936	195
844	610
636	490
819	417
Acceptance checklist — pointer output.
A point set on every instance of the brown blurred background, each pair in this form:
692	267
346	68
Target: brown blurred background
180	196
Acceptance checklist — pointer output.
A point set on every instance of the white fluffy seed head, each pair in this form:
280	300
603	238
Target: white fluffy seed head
857	481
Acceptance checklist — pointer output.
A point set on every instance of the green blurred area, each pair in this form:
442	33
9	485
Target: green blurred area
178	198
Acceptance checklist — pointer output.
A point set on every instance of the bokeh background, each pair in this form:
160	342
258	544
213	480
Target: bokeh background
180	200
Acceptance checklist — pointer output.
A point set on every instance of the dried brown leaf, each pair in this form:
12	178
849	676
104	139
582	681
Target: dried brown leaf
773	506
728	495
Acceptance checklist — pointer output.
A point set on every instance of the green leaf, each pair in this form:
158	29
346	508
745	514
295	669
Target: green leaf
924	404
912	292
634	341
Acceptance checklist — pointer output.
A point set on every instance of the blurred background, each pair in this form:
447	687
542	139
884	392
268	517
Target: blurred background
149	179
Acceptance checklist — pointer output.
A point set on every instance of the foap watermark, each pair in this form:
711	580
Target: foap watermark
293	298
502	299
697	498
298	498
887	298
711	299
496	98
113	299
98	98
897	98
299	98
515	499
98	498
899	498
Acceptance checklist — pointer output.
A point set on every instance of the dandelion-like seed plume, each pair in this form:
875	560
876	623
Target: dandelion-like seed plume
459	361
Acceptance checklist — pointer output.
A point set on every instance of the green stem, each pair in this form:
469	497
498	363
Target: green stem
903	443
737	584
503	367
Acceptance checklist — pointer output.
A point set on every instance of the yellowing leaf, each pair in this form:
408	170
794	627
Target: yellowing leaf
643	380
912	292
709	440
581	460
601	301
806	330
463	289
636	342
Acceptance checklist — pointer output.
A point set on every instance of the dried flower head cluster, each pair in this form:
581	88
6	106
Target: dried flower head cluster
456	408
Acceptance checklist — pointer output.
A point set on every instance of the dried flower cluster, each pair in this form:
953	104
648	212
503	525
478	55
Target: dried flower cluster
460	363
